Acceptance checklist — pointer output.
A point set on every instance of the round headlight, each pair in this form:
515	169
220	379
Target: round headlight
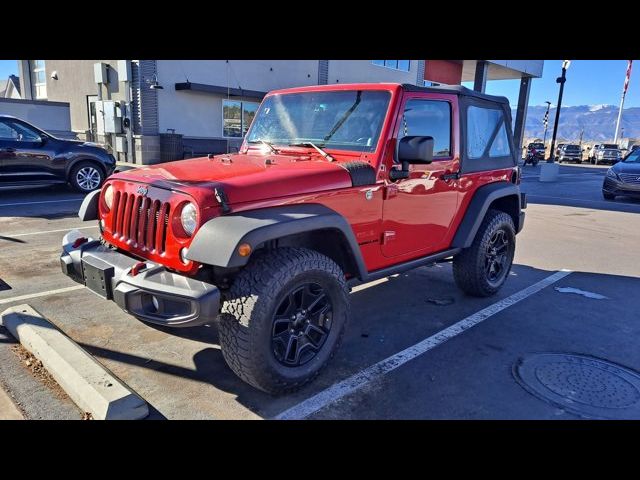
108	196
189	218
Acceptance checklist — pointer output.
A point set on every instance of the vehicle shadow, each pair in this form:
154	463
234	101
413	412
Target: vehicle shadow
46	202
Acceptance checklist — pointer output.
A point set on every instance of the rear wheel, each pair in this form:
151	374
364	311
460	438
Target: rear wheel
482	269
283	318
86	177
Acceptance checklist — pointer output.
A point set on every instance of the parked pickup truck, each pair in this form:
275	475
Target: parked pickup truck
606	153
333	185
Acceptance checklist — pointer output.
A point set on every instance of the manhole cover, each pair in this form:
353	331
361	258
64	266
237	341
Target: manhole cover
584	385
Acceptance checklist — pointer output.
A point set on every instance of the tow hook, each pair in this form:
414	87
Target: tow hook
79	241
136	268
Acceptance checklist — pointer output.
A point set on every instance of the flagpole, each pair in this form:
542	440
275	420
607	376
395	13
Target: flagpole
624	93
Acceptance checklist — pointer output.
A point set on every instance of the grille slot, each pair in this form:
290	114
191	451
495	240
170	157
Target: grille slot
140	221
633	178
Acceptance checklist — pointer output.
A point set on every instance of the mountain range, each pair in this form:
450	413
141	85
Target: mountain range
597	121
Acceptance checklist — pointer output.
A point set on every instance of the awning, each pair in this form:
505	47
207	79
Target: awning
220	90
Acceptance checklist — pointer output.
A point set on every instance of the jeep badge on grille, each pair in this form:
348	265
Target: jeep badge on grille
142	190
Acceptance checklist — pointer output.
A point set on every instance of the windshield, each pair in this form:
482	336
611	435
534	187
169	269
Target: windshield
609	146
537	146
634	157
575	148
344	120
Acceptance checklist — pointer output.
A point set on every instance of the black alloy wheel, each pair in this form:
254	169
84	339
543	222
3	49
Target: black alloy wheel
301	325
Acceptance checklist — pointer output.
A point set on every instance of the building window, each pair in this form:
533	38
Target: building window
237	117
403	65
39	79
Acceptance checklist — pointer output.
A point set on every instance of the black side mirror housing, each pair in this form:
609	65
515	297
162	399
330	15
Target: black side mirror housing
415	149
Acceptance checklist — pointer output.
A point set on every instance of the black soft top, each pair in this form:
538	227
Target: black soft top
456	90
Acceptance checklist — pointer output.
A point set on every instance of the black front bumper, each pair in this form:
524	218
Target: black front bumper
154	294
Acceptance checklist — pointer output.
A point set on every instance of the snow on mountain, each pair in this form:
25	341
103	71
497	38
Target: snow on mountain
597	121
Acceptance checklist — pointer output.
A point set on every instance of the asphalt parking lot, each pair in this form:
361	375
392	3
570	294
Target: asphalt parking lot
416	347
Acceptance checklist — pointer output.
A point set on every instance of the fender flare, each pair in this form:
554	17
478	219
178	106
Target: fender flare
216	242
478	207
89	208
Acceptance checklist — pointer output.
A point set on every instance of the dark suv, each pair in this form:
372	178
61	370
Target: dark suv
31	156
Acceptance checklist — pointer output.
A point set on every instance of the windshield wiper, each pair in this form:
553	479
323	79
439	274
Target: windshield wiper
313	145
268	144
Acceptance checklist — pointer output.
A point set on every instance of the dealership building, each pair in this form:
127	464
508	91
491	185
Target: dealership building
149	111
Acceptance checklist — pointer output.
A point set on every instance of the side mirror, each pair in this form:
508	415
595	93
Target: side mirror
414	149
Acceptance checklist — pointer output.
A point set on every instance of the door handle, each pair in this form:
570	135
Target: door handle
447	177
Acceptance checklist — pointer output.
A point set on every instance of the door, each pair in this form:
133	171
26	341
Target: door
418	211
23	153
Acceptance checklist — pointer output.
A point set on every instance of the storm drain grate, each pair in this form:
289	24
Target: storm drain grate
580	384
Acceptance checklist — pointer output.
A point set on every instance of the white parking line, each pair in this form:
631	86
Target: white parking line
583	200
50	231
43	201
40	294
376	371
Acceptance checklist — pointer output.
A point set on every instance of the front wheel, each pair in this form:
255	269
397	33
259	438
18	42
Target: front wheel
482	269
283	318
86	177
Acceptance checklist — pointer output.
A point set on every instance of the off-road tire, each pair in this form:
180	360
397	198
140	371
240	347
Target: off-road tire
608	196
87	165
249	308
469	265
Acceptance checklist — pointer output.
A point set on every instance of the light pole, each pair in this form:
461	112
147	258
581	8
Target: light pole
561	80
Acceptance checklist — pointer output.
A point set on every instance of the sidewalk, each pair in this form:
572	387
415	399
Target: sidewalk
8	410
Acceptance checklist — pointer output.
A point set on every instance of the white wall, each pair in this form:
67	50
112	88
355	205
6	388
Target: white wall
356	71
49	116
197	114
530	67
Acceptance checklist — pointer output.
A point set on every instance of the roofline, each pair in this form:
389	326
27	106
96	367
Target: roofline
451	89
339	86
457	90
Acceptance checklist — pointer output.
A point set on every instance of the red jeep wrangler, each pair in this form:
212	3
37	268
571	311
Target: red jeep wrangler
333	185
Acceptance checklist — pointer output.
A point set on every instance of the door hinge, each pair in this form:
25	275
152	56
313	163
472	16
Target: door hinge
390	191
451	176
387	236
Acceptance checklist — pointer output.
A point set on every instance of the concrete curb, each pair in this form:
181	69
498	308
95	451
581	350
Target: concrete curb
89	384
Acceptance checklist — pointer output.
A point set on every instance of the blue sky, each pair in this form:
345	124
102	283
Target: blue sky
589	82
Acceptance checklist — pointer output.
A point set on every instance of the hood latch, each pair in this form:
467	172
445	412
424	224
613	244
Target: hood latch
222	199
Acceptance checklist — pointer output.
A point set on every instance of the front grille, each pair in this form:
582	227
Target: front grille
633	178
140	221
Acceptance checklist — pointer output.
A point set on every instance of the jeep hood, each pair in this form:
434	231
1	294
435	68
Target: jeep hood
244	177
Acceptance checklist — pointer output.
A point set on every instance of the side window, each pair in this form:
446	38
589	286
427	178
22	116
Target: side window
486	133
430	118
7	133
24	133
500	147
